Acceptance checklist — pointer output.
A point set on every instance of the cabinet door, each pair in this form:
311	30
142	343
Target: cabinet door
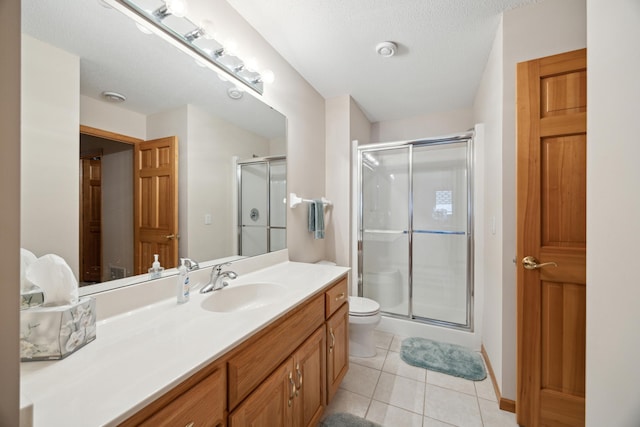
309	375
203	405
271	404
337	350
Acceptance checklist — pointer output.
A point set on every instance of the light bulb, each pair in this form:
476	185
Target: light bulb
208	29
230	47
268	76
177	8
251	64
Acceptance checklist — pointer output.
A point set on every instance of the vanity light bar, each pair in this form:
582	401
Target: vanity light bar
230	64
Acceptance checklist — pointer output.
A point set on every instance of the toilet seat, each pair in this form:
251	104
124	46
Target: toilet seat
363	307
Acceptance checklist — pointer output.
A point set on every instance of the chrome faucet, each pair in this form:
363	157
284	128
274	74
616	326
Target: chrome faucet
216	280
190	264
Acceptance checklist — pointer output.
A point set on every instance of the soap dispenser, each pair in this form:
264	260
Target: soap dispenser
183	287
156	270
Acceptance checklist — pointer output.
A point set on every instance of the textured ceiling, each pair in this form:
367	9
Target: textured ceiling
443	48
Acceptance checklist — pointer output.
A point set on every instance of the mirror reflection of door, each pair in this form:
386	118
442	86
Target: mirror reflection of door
156	203
106	206
118	236
90	217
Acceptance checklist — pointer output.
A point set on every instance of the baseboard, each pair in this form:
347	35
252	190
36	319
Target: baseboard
505	404
508	405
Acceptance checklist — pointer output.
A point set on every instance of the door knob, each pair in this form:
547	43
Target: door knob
530	263
170	237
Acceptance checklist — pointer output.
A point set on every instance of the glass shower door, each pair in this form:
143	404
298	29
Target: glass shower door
262	215
254	187
415	245
384	228
440	232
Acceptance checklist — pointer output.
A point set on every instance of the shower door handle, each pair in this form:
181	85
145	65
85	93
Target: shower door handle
530	263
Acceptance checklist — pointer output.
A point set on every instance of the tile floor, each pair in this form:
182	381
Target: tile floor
388	391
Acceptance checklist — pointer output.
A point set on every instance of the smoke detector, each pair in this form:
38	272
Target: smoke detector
386	49
235	92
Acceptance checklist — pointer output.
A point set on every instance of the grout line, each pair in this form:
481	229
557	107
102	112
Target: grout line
374	388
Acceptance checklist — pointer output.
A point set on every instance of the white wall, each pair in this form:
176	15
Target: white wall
111	117
50	148
10	211
538	30
613	209
212	187
338	164
488	111
345	122
117	212
423	126
304	108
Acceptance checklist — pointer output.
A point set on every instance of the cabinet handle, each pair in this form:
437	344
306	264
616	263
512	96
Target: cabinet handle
191	424
293	388
299	386
339	297
333	340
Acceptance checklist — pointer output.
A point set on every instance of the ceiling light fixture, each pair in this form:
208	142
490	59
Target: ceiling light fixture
113	96
198	41
386	49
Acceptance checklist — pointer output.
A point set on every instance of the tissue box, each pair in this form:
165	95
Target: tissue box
51	333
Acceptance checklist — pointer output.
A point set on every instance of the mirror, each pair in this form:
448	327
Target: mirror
74	51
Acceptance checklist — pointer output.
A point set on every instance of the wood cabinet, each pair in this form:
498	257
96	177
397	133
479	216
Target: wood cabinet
200	401
337	349
309	375
272	402
254	360
283	375
293	395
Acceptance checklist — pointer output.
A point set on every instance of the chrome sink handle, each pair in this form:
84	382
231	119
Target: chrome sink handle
191	264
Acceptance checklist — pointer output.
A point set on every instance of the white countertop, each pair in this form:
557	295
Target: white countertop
141	354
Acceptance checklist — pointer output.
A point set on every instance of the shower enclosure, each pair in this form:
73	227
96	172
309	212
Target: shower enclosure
415	245
262	186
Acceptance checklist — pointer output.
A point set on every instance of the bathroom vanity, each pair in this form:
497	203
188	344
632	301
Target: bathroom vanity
257	358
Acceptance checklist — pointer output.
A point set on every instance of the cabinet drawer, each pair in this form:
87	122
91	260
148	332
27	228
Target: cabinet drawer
254	362
335	297
203	404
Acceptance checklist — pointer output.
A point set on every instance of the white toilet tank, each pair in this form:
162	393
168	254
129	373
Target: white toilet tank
385	287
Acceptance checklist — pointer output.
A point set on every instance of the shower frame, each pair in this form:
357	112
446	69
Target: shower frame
257	160
457	138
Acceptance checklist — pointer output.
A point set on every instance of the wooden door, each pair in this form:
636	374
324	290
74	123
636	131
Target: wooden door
551	221
271	404
90	219
337	350
156	203
310	380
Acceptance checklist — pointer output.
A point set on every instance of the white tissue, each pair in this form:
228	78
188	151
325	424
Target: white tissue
26	258
53	275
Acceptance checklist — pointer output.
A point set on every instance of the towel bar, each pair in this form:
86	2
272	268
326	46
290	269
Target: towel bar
294	200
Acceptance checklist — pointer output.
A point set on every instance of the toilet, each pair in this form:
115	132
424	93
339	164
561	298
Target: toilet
364	316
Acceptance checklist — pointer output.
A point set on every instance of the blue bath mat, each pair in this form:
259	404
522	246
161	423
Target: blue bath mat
343	419
448	359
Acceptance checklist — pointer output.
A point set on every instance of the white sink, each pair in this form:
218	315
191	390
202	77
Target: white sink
243	297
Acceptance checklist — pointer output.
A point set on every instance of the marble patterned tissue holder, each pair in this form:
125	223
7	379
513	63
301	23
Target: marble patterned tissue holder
52	333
